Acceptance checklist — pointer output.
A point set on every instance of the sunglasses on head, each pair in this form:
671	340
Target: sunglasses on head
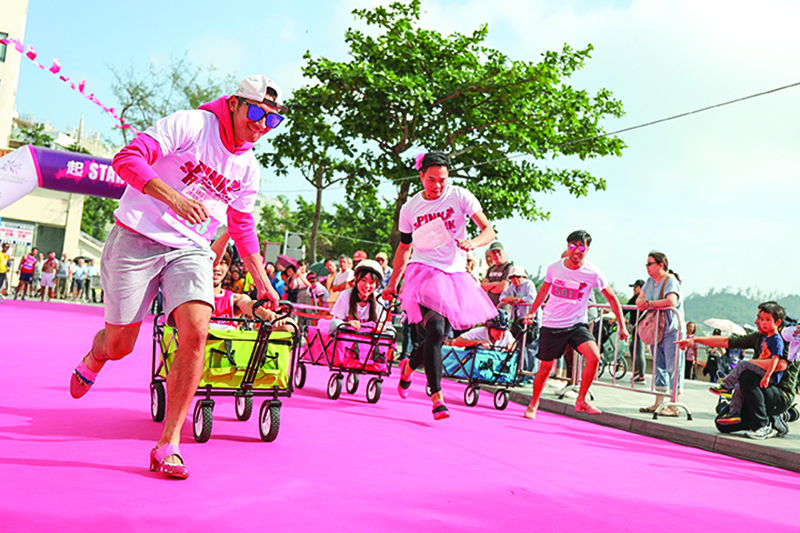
580	247
256	113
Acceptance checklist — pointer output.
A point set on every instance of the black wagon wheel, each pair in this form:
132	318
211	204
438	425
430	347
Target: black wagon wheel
471	396
244	406
351	385
501	399
374	390
300	376
334	386
158	401
203	420
601	368
269	421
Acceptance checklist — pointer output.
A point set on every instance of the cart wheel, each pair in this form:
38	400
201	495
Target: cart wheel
269	421
622	368
334	386
374	390
203	419
428	390
471	396
352	382
244	407
501	399
300	376
158	401
601	367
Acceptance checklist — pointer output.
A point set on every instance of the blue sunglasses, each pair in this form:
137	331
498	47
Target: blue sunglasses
256	113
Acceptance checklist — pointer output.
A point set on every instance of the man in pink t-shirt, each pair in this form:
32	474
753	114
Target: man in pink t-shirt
187	174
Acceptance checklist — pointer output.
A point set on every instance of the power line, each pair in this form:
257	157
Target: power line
587	139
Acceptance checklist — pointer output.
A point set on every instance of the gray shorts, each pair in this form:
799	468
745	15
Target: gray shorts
134	267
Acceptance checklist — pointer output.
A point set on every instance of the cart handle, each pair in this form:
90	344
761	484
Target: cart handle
284	309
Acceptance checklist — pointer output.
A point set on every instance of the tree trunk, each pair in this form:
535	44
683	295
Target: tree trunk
312	245
402	197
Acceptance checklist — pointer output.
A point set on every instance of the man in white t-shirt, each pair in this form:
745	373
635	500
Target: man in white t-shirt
569	283
187	174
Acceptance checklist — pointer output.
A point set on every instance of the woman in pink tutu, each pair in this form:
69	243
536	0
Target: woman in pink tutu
438	293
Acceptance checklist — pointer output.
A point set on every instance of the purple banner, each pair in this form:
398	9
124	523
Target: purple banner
76	173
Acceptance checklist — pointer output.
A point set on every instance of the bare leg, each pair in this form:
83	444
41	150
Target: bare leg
591	353
545	367
111	344
192	320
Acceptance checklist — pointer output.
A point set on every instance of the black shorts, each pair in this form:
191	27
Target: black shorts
553	341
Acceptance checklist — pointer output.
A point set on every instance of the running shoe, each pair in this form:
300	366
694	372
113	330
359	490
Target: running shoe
761	433
729	419
721	390
779	424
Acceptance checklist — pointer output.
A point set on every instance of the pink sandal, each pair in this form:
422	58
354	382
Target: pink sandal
157	464
81	380
403	386
440	411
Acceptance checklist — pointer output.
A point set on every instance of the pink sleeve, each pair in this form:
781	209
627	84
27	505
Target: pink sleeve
132	163
242	229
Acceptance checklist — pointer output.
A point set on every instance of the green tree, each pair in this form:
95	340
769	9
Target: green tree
409	89
35	136
98	213
157	92
311	145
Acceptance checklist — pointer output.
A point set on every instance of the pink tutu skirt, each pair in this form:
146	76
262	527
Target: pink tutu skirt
453	295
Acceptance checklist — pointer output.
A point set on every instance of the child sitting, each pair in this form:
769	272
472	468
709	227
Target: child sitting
358	306
493	335
771	358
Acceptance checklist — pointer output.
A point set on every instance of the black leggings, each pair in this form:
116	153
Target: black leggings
433	331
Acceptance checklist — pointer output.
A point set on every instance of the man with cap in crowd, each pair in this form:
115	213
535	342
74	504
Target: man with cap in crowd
383	261
358	257
496	280
636	345
522	291
187	174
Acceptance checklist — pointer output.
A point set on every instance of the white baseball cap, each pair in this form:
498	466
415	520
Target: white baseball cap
255	88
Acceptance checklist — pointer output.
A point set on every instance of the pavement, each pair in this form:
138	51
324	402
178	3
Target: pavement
620	408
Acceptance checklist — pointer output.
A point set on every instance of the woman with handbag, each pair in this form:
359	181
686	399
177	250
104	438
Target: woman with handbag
660	329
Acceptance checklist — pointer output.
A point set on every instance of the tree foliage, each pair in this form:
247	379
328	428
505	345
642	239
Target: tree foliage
35	136
311	145
354	225
145	97
409	89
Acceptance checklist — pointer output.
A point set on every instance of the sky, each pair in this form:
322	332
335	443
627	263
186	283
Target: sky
715	191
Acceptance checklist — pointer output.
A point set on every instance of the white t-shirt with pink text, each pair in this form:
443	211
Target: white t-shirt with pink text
569	293
455	206
193	156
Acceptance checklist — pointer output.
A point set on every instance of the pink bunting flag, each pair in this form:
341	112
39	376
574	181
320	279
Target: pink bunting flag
55	69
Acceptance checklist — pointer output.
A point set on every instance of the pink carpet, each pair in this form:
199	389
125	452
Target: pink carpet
346	465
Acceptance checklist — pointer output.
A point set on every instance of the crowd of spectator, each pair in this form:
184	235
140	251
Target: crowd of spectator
46	278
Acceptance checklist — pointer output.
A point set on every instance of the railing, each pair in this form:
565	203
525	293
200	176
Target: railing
670	395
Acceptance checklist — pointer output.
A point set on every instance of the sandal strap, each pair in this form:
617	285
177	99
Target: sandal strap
439	407
84	374
165	450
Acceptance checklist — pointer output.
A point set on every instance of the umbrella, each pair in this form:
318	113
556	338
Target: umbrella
285	260
318	268
724	324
